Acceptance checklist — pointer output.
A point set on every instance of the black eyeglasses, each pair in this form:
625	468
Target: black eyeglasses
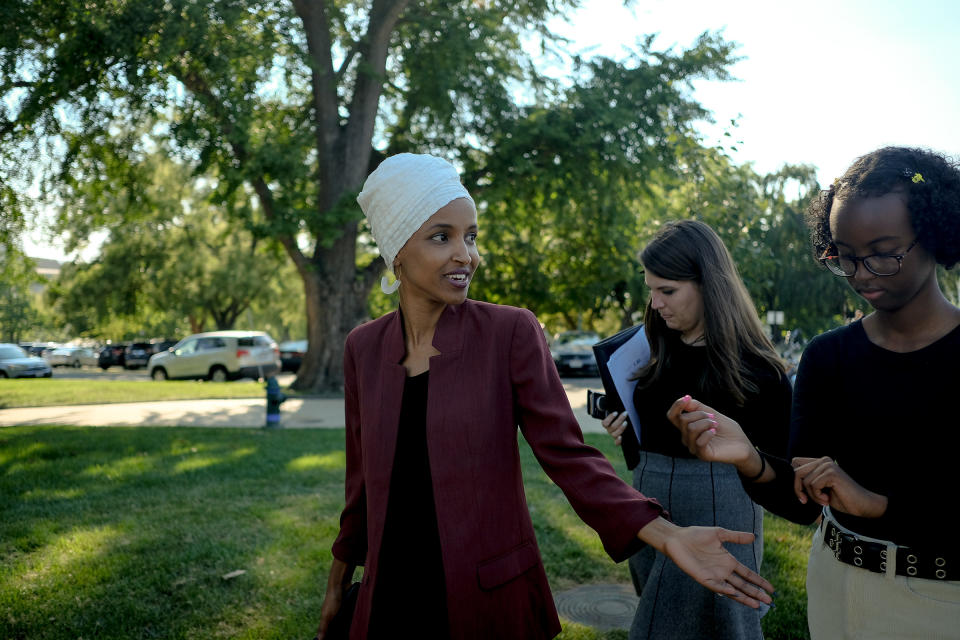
879	264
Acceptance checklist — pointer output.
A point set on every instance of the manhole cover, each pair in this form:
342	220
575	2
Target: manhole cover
601	606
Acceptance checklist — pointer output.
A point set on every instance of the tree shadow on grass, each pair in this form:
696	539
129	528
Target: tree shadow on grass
127	533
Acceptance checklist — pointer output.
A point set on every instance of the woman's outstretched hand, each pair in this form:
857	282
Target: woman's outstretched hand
699	552
615	424
823	481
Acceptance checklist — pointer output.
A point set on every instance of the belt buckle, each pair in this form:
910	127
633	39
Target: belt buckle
833	533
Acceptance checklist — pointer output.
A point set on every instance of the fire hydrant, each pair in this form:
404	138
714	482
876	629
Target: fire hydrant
275	398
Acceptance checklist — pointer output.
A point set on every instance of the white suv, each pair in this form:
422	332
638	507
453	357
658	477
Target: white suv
218	356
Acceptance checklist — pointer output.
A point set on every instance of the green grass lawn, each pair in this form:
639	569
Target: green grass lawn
51	392
129	532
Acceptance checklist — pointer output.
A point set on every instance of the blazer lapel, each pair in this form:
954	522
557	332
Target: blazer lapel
392	378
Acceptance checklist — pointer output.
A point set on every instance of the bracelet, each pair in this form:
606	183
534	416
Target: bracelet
763	467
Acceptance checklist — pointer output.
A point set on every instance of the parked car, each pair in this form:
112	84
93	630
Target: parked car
112	355
35	348
160	346
291	354
572	352
16	363
218	356
137	354
72	357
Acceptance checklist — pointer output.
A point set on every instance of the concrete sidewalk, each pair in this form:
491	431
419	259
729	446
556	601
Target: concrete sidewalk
296	413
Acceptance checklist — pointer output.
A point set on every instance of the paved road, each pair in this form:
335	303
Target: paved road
244	412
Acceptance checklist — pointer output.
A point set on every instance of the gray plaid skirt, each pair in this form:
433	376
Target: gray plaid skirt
673	605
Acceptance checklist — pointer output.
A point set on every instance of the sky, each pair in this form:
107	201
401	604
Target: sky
820	82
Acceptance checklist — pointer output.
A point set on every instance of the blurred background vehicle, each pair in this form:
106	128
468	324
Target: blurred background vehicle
218	356
160	346
37	348
572	352
112	355
291	354
17	363
72	357
137	354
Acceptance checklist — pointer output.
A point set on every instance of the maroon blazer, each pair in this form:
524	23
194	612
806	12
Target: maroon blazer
494	373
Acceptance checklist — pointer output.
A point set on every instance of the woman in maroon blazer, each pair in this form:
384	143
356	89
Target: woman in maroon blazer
435	508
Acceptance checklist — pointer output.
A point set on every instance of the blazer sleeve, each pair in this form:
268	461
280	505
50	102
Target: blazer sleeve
351	543
600	498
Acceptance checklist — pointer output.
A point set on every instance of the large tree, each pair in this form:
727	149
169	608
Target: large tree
283	98
288	100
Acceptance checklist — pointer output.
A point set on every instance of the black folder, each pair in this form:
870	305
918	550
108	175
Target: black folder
602	352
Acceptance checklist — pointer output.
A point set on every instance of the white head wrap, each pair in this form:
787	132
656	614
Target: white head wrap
401	194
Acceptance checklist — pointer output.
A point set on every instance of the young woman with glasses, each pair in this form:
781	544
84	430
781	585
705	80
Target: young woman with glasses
873	441
705	339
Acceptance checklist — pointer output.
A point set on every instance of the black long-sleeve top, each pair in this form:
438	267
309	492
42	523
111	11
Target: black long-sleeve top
888	421
764	415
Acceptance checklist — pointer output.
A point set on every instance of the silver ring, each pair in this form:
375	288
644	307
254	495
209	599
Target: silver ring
941	574
858	550
911	571
940	562
912	559
858	561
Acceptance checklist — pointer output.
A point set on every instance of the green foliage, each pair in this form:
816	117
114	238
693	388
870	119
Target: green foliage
280	103
18	310
566	187
761	220
173	263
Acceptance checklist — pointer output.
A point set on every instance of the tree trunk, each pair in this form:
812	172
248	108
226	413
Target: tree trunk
335	304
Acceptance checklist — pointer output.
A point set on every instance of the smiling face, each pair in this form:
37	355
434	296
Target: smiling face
868	226
679	303
437	263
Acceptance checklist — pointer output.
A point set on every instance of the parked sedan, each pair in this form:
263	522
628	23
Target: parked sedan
15	363
291	354
572	352
72	357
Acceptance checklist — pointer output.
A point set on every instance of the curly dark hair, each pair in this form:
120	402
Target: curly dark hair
930	182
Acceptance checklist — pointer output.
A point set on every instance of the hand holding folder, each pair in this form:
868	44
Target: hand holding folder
618	358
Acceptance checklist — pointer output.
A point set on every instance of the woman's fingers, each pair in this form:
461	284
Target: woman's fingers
695	432
679	406
749	589
615	423
810	479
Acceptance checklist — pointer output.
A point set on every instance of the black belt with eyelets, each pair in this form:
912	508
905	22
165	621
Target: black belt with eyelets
872	556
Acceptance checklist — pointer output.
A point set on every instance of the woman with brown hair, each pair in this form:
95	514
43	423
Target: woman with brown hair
705	340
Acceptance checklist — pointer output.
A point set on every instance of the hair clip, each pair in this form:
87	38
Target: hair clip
917	178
